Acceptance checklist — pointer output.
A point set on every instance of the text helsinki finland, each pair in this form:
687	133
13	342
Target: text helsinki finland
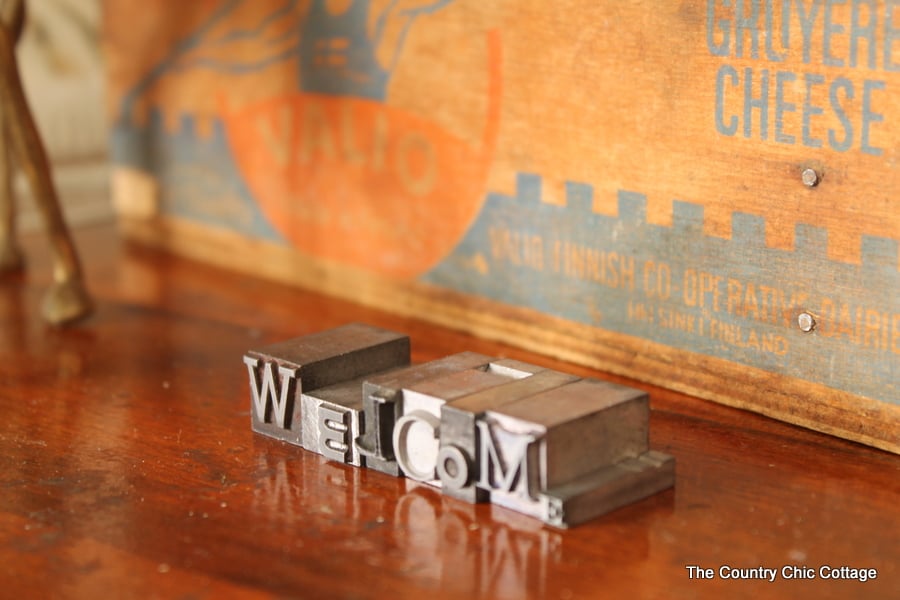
545	443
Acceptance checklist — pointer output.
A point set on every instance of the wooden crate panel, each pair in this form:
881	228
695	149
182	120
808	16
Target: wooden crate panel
660	189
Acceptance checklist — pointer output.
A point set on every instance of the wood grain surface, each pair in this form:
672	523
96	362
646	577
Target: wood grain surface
129	470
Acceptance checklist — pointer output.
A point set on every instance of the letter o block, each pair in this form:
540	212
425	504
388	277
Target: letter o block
416	444
454	468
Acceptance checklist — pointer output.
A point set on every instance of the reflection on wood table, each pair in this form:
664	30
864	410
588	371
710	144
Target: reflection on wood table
128	469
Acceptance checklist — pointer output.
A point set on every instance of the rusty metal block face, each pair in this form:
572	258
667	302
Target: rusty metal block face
279	374
382	405
586	425
458	457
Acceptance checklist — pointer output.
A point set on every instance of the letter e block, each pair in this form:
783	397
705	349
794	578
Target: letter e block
331	421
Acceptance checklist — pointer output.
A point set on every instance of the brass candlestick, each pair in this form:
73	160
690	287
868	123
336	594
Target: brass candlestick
67	300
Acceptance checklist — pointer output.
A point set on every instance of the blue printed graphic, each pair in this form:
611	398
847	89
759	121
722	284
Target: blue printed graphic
197	177
733	298
337	53
338	57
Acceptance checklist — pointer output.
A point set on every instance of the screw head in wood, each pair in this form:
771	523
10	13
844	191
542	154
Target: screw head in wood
806	322
810	177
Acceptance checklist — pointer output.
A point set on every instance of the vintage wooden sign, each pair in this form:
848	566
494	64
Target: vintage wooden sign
698	193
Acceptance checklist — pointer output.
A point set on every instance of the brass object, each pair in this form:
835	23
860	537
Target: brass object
67	299
547	444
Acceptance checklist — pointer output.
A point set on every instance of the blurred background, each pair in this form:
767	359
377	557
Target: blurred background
63	75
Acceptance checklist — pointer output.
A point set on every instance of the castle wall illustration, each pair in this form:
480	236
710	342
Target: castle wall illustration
733	298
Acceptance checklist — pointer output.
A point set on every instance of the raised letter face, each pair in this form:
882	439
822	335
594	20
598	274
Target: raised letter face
380	415
454	468
273	400
416	445
509	467
334	433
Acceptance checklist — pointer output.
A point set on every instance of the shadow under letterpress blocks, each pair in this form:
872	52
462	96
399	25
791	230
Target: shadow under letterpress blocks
281	373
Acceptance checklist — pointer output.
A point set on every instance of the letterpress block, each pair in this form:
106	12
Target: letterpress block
609	488
555	437
382	403
279	374
416	437
458	458
332	417
514	369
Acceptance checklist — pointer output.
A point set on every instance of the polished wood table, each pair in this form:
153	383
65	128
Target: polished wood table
129	470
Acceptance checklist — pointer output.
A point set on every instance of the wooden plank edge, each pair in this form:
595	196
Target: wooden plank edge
788	399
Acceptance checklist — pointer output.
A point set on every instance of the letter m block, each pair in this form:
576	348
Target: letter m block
279	374
551	452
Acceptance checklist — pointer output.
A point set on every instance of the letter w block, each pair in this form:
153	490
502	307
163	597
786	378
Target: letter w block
281	373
